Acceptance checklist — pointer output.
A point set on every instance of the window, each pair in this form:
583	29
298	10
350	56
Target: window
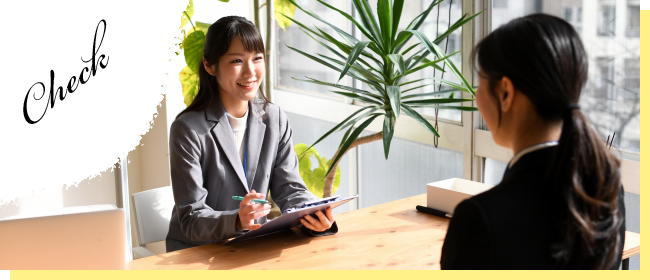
606	19
292	64
573	15
633	21
632	74
604	84
514	9
500	3
610	97
568	14
437	23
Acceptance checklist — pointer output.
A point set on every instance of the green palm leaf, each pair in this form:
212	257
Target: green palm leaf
356	68
397	14
433	48
435	93
399	61
358	48
343	34
346	15
364	92
413	114
436	101
352	74
357	97
338	126
389	130
353	136
457	108
368	20
341	55
394	94
403	38
385	13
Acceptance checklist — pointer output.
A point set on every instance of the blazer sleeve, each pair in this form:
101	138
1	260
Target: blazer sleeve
467	242
198	221
287	188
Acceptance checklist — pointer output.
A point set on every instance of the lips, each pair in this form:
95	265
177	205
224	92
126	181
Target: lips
247	85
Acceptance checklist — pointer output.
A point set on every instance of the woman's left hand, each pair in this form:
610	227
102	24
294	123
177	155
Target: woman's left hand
325	220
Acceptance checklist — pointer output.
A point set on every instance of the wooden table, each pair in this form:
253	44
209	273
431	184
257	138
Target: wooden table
392	235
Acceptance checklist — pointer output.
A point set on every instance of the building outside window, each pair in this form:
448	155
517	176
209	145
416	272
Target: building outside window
633	26
607	19
612	91
292	64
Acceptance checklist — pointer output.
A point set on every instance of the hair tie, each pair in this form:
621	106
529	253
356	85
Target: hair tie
570	108
573	106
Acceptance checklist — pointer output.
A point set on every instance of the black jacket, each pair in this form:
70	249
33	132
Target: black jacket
513	225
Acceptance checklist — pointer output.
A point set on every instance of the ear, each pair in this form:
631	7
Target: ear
208	67
506	94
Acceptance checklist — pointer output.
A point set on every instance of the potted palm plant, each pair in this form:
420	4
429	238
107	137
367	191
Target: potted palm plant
382	63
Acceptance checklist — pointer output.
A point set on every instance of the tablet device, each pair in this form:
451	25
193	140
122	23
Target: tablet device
291	217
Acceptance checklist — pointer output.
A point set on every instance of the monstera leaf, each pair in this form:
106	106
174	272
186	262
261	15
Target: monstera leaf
283	7
202	26
190	81
193	49
188	11
315	179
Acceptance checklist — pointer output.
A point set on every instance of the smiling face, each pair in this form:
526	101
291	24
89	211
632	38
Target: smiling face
239	72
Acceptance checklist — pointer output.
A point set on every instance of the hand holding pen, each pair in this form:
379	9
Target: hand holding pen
249	211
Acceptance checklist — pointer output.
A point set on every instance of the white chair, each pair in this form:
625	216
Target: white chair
153	210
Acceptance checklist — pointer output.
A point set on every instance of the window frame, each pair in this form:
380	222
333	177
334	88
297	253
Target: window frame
464	136
483	143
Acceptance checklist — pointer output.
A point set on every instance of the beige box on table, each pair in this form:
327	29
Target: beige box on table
445	195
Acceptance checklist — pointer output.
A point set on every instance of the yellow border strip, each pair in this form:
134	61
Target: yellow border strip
645	124
402	275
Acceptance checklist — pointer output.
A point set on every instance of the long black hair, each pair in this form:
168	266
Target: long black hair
217	43
544	58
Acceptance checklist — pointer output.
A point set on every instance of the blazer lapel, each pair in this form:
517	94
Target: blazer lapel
223	133
255	140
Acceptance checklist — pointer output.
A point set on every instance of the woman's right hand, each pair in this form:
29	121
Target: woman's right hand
249	211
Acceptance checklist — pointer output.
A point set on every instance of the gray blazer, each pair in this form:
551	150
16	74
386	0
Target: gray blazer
206	171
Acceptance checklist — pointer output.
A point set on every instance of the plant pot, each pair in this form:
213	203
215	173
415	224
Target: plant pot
445	195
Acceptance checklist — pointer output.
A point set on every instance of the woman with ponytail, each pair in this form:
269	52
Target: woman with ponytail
560	202
228	143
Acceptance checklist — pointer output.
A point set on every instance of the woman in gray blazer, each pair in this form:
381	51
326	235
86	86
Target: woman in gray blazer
229	143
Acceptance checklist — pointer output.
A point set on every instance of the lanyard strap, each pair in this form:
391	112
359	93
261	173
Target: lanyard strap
248	121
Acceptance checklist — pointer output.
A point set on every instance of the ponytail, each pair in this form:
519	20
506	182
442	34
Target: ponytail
589	175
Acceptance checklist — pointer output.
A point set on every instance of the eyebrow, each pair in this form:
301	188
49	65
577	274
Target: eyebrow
240	54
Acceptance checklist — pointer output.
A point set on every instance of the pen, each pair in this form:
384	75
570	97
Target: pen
259	201
432	211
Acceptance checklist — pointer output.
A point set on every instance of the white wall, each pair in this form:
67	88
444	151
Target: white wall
98	190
